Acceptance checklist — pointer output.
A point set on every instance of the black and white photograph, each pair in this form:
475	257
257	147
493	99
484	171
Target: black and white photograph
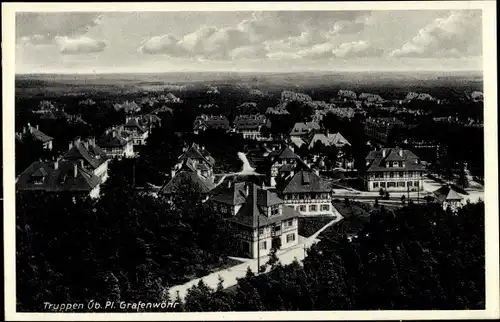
206	161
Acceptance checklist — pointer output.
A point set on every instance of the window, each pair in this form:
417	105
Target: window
325	207
401	184
391	184
410	174
409	183
391	174
375	185
312	208
290	238
263	245
382	185
277	227
395	164
416	183
302	208
401	174
274	211
261	231
289	223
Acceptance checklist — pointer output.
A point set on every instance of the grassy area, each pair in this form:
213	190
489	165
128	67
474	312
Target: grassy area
309	225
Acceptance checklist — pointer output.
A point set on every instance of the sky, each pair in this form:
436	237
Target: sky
246	41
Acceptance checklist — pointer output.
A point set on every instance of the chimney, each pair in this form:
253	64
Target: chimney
383	153
172	173
247	189
229	183
24	129
56	165
75	170
400	152
77	140
37	126
114	133
316	171
80	162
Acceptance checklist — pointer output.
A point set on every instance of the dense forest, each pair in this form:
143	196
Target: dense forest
129	246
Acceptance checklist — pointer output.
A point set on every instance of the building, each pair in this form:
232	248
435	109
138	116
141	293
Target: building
448	197
308	193
89	156
128	107
328	139
281	163
259	216
34	134
115	145
205	122
150	121
200	159
301	128
136	129
250	126
393	169
59	176
380	128
188	171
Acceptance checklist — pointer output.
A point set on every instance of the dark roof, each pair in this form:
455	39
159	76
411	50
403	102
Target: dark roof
173	185
60	179
234	195
336	139
446	193
197	153
287	167
38	135
134	122
306	181
91	153
249	122
111	141
377	160
284	153
252	213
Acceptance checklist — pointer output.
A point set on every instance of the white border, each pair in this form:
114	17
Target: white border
491	154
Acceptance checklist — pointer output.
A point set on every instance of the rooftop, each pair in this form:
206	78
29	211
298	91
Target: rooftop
306	181
377	160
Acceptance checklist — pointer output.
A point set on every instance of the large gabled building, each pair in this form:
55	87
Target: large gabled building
250	126
281	162
308	193
206	122
59	176
393	169
90	156
115	145
259	217
136	130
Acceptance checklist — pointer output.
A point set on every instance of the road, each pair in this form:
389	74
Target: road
230	275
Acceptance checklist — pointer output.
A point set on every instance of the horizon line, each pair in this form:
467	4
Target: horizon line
259	72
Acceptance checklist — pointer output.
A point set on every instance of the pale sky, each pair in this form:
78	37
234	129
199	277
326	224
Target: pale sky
267	41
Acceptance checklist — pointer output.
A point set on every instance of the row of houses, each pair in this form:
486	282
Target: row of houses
83	167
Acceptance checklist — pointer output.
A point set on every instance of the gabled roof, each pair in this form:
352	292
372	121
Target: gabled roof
327	139
197	153
60	179
92	154
212	122
133	122
187	172
252	213
38	135
377	160
446	193
284	153
234	195
302	128
306	181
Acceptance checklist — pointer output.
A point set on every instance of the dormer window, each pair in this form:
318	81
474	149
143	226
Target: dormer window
395	164
274	211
